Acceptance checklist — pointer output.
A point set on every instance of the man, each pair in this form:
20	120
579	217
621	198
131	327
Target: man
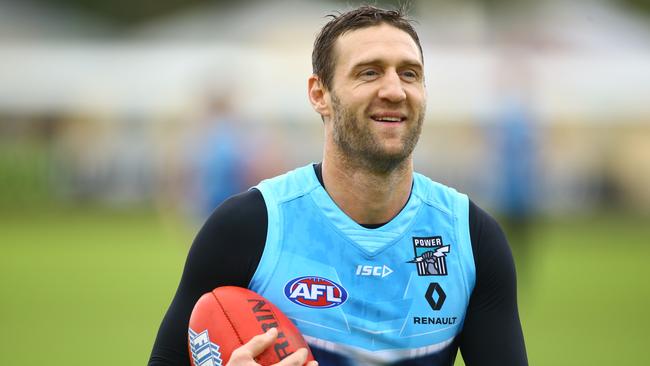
376	265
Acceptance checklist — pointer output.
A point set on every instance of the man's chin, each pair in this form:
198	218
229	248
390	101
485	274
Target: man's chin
385	161
395	150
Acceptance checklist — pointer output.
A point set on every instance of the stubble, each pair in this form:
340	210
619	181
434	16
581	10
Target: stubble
360	148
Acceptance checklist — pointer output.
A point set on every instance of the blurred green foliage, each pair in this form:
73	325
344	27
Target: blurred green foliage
130	12
641	5
24	173
90	286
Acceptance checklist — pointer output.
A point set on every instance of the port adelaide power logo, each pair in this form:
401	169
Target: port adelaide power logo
430	256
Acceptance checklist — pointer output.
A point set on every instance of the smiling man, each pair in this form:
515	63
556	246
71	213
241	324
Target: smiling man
375	264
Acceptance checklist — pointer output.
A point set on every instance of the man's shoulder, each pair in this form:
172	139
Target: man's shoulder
437	194
289	185
432	184
239	207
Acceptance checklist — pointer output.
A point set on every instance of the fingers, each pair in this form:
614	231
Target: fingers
255	346
297	358
261	342
246	354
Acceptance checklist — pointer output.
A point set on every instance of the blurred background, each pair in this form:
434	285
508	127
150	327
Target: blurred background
123	124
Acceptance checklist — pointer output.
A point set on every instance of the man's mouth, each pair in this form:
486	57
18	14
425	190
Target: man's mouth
388	118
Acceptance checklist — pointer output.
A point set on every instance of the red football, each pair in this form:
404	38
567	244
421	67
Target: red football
228	317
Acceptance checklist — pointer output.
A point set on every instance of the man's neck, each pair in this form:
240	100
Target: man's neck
368	197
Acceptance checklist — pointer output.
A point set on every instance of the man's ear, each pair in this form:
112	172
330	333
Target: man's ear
318	96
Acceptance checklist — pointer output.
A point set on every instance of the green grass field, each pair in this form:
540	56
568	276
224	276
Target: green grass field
88	286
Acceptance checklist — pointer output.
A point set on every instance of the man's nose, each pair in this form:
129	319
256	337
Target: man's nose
391	88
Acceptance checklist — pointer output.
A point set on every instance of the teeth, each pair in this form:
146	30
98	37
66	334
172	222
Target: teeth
389	119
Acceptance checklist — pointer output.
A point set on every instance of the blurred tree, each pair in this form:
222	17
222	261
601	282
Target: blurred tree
642	5
131	12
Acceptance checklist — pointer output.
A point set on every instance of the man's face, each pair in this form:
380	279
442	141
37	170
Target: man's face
377	96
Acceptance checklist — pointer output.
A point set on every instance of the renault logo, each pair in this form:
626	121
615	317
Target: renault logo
435	296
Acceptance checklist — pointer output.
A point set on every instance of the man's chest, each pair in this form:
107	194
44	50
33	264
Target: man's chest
412	293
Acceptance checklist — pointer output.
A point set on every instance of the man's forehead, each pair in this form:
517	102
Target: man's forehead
376	42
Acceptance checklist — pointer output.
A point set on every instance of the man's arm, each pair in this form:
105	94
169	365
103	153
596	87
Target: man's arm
492	332
226	251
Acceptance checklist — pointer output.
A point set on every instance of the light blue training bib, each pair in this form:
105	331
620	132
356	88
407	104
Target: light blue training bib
394	295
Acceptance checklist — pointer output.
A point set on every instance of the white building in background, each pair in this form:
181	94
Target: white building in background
592	59
589	61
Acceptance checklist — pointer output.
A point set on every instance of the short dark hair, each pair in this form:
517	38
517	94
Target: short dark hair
322	56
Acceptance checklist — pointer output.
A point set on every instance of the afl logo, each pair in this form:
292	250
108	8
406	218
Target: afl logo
315	292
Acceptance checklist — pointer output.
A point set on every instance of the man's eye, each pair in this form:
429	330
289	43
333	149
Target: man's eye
410	75
369	73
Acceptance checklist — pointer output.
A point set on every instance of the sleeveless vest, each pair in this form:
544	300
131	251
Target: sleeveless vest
393	295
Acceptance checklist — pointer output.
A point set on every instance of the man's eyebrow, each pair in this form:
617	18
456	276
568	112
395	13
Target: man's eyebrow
378	61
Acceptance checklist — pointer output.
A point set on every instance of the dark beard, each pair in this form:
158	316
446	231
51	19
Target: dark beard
361	148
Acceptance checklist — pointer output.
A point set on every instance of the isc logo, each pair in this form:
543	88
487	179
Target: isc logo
376	271
315	292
